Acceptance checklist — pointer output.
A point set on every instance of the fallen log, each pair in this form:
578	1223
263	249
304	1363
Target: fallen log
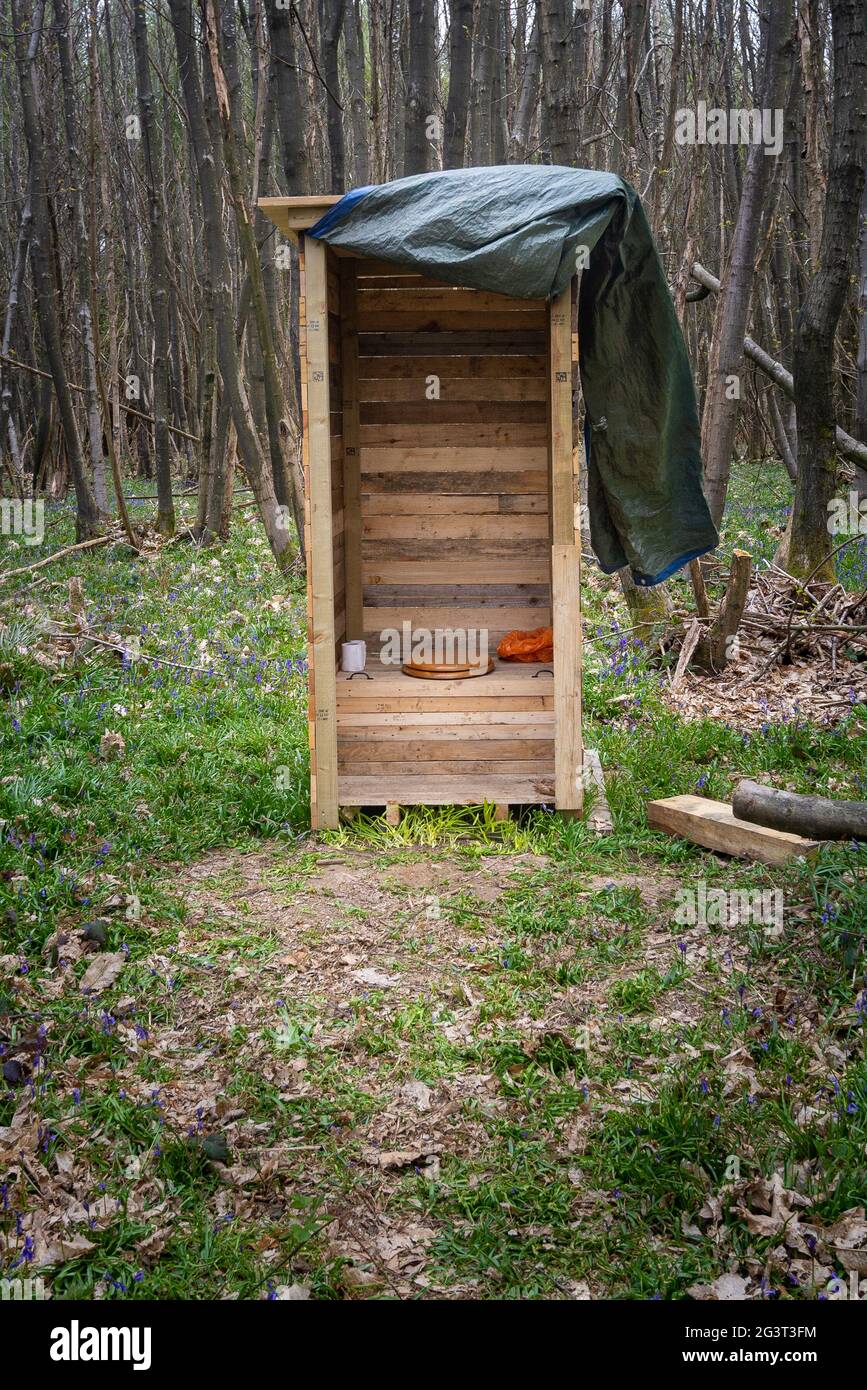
58	555
818	817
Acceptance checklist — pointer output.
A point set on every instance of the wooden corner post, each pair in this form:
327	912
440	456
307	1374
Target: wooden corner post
351	447
565	565
320	560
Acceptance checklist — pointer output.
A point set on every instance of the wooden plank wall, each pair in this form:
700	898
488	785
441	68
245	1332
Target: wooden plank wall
337	333
451	529
452	433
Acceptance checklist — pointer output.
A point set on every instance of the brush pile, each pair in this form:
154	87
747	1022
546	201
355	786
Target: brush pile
800	652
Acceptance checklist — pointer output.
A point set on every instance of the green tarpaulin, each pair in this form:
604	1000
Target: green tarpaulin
520	230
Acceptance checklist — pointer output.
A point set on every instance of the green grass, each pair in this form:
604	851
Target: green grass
215	758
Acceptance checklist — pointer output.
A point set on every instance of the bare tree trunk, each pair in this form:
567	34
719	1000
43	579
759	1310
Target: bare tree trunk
722	401
290	107
353	41
27	35
82	259
811	68
460	66
7	424
806	549
286	492
207	165
519	142
861	388
558	88
483	66
331	24
421	86
158	277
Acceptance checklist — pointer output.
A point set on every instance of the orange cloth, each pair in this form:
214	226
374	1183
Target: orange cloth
537	645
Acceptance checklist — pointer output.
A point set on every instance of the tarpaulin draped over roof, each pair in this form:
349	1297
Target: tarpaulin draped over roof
515	230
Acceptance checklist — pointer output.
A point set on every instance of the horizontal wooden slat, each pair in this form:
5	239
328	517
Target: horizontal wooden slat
469	790
516	570
453	484
454	366
471	458
436	436
458	594
451	767
427	321
514	342
476	616
506	682
436	503
407	727
453	412
411	390
372	750
430	298
458	526
492	550
434	700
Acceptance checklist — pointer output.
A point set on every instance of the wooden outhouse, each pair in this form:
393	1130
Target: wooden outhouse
441	481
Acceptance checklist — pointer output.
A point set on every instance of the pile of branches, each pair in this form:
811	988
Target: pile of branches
786	621
777	646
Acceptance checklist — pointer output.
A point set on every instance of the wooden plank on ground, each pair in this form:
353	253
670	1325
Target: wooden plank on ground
714	825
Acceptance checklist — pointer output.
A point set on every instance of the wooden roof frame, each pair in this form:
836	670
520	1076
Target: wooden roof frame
294	215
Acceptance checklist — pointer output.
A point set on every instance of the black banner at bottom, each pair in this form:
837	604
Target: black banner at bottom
54	1341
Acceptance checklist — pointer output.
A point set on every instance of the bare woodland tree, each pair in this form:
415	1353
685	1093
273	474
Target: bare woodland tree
807	551
150	313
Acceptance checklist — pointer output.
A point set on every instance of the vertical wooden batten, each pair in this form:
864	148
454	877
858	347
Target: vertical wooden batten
351	447
560	397
320	559
565	563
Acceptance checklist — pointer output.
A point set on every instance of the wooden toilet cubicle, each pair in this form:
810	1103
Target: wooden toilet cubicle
441	482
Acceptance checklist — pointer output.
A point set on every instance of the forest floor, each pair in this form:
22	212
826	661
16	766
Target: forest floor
451	1058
